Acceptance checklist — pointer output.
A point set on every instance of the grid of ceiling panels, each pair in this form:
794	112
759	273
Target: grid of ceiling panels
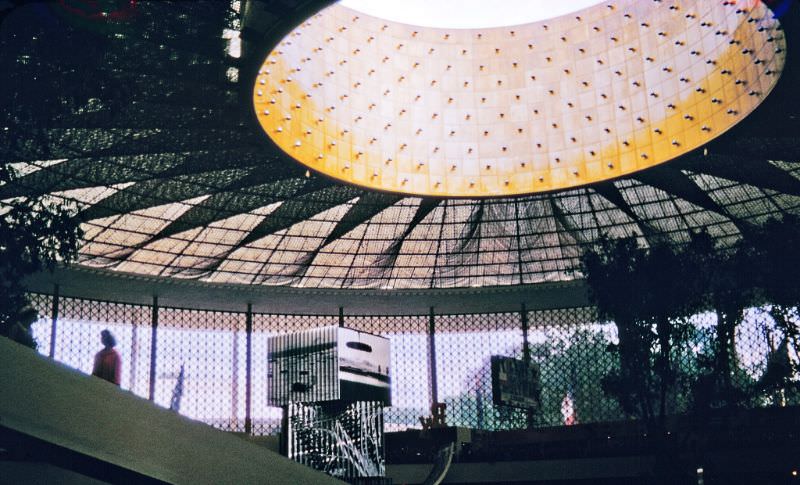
139	125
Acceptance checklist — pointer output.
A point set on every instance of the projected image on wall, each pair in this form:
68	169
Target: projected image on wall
363	366
328	364
303	368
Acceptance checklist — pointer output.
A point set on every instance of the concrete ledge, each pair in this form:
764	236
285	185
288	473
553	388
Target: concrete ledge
115	286
84	414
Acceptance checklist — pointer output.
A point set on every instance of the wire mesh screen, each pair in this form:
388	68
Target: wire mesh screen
201	361
570	346
42	327
409	370
464	347
77	336
207	347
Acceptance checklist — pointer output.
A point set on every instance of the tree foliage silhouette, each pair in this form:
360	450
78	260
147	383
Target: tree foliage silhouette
35	234
651	293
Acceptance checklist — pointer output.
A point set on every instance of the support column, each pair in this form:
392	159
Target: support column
134	355
432	358
530	416
153	340
248	421
235	380
526	347
54	322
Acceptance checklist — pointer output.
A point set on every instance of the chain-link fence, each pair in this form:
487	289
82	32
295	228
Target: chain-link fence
77	335
208	347
212	365
409	365
464	346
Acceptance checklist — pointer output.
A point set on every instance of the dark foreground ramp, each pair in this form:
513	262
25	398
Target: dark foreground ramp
62	413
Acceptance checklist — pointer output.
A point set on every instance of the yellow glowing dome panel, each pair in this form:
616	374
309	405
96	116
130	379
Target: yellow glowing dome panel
594	95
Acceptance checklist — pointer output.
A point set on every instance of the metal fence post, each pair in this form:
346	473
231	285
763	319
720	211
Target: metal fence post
526	347
341	316
153	339
530	415
432	358
134	352
248	421
235	381
54	322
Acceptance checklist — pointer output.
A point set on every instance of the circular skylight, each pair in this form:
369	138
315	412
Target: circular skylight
466	14
610	90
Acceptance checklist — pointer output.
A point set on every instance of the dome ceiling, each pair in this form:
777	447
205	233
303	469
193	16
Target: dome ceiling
145	126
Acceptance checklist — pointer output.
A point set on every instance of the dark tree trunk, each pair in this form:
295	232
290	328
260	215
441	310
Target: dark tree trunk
664	365
727	320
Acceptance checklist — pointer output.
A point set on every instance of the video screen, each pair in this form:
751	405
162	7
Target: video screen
327	364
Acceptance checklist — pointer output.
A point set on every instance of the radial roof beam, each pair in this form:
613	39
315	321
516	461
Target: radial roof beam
673	181
758	172
610	192
236	201
83	173
80	173
152	193
432	283
291	212
564	223
301	208
239	198
388	258
472	226
366	207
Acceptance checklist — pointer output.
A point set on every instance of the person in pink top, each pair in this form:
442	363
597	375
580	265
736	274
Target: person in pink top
107	362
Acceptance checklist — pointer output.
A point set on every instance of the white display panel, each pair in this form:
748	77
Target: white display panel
328	364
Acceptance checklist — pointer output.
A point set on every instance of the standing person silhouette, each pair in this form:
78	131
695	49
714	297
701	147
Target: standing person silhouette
107	362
